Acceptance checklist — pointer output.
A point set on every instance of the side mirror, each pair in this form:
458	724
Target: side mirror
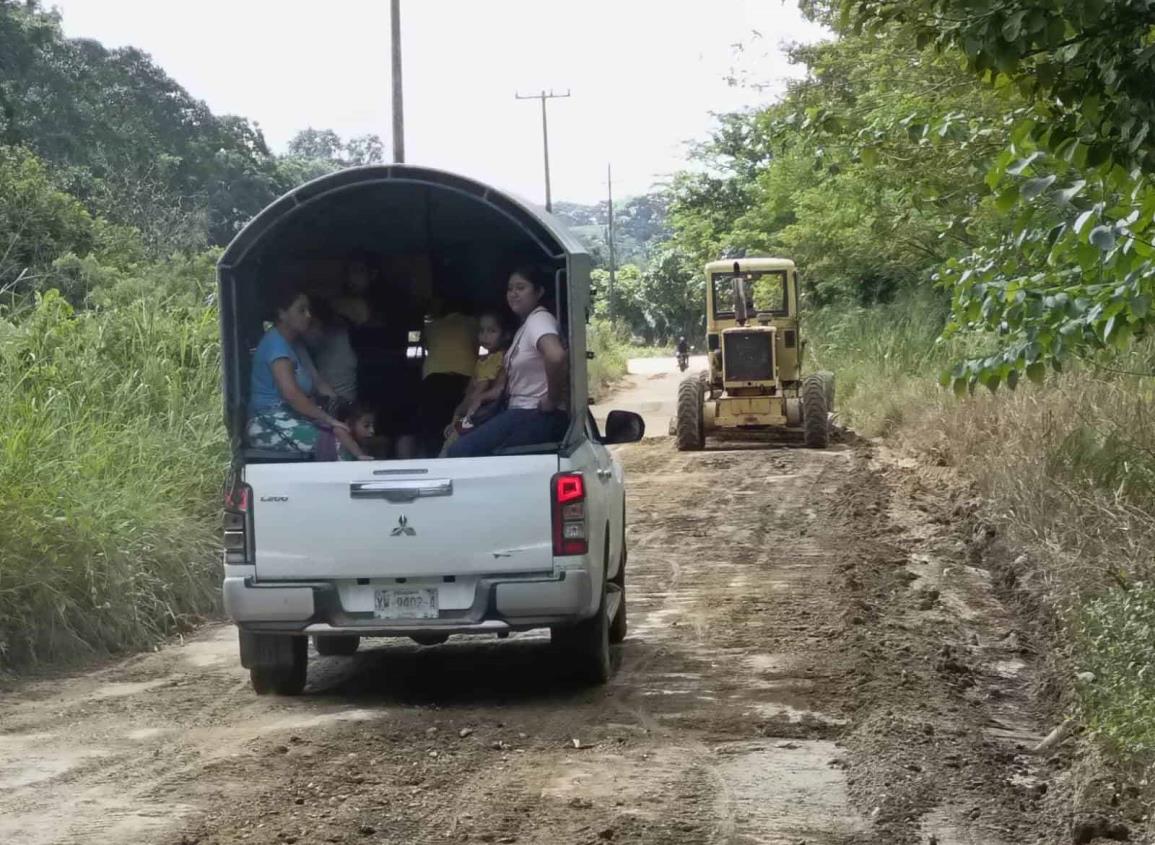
624	427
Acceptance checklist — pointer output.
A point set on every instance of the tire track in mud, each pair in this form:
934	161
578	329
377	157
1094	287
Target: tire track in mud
760	582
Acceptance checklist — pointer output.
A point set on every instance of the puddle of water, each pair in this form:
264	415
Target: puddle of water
779	796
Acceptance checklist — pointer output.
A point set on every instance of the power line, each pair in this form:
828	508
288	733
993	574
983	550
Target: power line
543	96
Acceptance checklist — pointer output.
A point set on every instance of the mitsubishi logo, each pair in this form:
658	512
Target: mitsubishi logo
403	529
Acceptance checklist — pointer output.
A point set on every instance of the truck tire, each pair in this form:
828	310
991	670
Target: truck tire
430	638
815	412
690	430
618	626
586	646
337	645
285	677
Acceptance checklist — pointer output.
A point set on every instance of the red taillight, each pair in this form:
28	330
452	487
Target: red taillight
569	515
570	487
238	534
237	498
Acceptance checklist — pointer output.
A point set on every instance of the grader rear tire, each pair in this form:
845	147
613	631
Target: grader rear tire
816	410
690	429
707	387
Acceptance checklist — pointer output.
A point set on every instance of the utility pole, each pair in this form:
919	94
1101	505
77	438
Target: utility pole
543	96
398	104
610	236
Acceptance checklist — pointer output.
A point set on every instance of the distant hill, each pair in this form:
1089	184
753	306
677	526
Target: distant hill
640	226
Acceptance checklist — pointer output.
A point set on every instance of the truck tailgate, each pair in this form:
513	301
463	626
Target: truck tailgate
402	519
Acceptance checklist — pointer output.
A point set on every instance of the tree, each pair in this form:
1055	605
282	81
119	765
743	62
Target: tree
365	149
325	145
840	175
125	138
673	296
321	144
38	222
1074	272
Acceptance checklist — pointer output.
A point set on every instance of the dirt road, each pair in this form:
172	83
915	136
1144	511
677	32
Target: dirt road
816	655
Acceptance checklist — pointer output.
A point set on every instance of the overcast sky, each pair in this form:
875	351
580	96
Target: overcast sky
645	75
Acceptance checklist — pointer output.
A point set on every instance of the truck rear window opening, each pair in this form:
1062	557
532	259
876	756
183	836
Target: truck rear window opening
376	322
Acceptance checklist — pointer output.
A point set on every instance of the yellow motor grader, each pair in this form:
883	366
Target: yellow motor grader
755	380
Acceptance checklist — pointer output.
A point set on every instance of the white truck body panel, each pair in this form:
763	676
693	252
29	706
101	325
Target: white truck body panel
402	519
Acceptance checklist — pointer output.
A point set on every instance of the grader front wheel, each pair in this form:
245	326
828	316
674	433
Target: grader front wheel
817	404
690	429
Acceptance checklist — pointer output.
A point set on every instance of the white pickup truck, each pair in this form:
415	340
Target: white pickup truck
425	548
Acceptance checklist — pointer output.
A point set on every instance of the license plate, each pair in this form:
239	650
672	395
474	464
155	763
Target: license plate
406	604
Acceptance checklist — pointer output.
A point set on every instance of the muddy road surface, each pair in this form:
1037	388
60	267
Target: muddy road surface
816	655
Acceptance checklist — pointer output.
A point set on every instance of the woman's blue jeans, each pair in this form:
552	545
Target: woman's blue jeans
512	427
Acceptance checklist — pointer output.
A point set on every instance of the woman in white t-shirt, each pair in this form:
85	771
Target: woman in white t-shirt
536	369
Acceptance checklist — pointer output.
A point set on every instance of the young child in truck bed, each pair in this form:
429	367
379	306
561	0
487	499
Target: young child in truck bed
483	398
360	420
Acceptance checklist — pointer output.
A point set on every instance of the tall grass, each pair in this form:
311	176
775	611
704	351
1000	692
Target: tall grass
885	360
1067	468
611	354
111	455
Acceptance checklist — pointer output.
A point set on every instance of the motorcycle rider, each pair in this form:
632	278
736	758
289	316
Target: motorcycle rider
683	352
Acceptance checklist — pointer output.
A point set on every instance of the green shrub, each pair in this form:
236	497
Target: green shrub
110	468
885	360
1116	639
608	342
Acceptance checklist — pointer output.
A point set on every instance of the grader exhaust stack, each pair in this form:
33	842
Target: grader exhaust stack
740	310
755	380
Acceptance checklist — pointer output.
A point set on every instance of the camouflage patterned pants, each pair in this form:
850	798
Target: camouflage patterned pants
282	429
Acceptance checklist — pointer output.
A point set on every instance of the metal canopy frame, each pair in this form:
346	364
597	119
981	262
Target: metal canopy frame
543	228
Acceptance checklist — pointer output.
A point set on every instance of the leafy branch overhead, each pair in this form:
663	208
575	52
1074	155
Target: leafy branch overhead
1073	269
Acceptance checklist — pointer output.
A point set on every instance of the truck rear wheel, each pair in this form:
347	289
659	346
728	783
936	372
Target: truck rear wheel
586	645
337	645
287	673
690	429
618	626
816	410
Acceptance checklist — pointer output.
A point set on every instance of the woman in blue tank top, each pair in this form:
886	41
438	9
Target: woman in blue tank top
283	414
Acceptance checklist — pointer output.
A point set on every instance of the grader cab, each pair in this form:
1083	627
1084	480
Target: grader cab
755	380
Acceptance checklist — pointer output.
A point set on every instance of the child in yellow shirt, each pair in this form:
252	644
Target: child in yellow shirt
487	386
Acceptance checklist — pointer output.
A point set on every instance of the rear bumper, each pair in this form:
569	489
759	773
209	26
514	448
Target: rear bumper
499	604
745	412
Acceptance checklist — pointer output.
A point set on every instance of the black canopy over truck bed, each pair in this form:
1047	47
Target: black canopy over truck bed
424	226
